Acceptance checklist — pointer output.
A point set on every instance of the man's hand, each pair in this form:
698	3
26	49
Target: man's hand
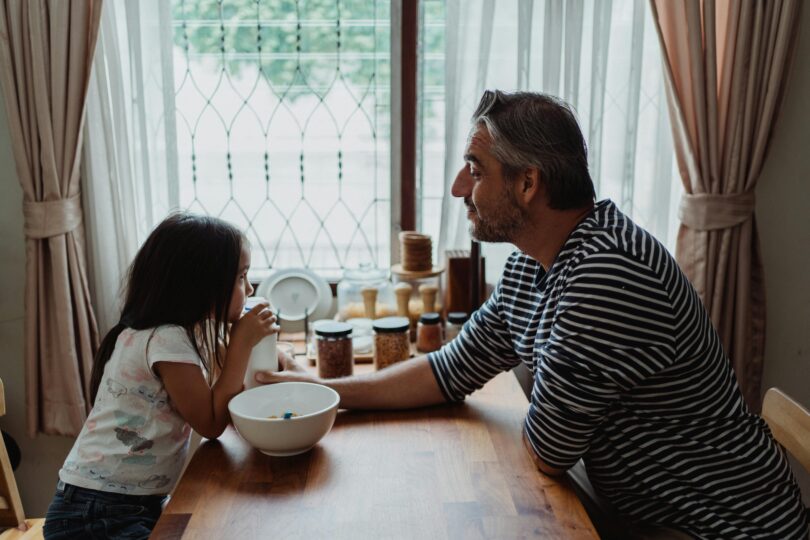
289	371
539	463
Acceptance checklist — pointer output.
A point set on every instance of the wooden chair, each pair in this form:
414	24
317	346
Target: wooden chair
789	423
11	511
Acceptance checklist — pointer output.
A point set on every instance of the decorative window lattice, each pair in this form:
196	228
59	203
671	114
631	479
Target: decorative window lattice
283	125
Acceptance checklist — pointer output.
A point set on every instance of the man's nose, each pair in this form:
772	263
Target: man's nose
462	185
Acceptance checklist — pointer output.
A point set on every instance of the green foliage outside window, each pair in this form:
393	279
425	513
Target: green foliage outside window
299	46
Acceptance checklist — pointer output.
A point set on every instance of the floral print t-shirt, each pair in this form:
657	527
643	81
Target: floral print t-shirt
133	441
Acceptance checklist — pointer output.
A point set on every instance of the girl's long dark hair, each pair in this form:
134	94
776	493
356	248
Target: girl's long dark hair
183	275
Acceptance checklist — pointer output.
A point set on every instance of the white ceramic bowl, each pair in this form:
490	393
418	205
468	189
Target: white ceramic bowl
316	406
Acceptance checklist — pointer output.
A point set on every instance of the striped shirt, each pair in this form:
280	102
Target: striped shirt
630	375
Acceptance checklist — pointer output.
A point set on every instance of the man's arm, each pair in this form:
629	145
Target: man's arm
538	462
612	329
404	385
482	349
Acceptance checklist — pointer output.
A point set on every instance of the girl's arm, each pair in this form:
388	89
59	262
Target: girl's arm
205	407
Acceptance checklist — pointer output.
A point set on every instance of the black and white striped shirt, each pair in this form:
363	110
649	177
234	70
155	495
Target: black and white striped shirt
630	375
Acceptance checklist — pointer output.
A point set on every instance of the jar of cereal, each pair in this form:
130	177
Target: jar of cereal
335	357
391	341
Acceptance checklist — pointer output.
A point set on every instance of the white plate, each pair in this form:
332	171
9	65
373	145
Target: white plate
295	292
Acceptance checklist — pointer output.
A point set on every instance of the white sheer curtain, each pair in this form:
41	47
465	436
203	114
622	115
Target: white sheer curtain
602	57
130	151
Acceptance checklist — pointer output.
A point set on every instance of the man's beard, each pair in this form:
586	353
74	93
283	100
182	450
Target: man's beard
505	223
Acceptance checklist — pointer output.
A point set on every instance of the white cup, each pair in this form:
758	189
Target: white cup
263	357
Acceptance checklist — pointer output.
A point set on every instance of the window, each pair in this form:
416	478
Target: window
283	125
284	108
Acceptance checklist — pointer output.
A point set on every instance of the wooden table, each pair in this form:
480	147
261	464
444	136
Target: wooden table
451	471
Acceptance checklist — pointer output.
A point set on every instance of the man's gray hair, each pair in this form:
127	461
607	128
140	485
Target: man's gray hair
538	130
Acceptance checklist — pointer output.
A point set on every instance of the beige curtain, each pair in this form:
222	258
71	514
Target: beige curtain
726	69
46	50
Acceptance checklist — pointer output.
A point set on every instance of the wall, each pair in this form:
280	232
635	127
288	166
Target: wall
783	199
783	217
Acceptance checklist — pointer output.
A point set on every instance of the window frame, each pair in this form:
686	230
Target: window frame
404	52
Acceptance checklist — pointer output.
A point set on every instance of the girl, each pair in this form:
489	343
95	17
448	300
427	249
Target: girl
149	382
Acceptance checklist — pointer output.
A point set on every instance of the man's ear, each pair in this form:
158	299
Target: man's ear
528	186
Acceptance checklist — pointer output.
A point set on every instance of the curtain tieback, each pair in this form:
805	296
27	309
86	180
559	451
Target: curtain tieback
44	219
708	212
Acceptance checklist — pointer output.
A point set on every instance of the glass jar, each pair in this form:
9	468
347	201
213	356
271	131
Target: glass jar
392	343
429	333
312	339
455	322
335	357
365	292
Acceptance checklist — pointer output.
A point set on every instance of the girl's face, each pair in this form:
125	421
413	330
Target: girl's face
242	288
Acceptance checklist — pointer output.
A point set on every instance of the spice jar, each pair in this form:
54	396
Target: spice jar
335	358
429	332
455	321
391	341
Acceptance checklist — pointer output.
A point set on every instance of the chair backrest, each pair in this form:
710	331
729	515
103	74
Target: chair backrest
789	423
11	510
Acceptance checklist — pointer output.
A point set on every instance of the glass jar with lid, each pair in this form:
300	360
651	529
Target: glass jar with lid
365	292
334	345
429	333
312	340
392	343
454	324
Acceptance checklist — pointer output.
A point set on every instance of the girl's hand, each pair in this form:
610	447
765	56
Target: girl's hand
253	326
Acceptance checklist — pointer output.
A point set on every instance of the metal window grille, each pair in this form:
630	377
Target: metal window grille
283	126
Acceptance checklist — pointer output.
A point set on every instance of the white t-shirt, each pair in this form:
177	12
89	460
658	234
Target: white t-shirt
133	441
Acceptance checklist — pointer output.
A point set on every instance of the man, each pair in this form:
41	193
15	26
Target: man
628	372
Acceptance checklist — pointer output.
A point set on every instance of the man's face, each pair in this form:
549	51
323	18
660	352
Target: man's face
492	207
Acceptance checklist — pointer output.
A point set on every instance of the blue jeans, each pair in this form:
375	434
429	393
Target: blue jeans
77	512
